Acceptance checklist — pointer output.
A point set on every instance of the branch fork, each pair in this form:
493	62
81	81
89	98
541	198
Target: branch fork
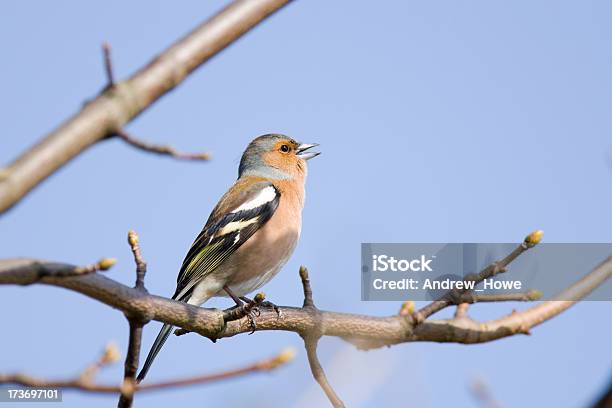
131	140
311	323
136	324
311	341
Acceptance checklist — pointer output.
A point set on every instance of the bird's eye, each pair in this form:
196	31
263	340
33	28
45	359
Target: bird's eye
284	148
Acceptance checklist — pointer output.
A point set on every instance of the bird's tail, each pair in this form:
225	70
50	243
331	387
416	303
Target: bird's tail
157	345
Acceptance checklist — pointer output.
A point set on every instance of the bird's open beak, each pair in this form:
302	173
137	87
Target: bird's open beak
302	152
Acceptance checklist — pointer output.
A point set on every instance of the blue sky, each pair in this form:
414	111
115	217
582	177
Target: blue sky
439	121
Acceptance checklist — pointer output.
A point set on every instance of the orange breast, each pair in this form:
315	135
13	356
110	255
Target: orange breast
265	253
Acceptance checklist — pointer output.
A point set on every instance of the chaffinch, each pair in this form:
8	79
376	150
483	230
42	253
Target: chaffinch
252	231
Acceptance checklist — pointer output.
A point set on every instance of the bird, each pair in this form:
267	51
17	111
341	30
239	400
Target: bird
251	232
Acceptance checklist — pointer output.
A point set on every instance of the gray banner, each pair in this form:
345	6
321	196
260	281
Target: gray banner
25	394
402	272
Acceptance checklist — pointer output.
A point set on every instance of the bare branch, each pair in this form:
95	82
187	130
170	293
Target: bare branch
528	296
132	357
141	265
108	356
265	365
84	384
363	331
108	65
407	308
461	311
308	302
310	342
158	149
453	297
131	363
139	144
43	269
108	113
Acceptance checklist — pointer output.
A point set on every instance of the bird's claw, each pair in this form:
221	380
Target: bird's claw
252	315
265	304
279	312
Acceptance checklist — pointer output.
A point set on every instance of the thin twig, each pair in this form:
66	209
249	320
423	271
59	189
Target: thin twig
108	356
103	264
132	357
59	270
141	265
528	296
407	308
131	140
85	385
310	342
308	301
160	149
108	65
461	311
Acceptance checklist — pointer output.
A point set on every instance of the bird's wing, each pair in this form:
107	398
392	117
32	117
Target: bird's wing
233	221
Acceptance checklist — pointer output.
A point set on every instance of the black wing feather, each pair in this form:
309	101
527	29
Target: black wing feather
214	251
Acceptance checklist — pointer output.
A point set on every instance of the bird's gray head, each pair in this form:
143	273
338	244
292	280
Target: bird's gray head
275	156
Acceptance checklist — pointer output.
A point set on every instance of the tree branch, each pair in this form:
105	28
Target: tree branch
136	323
308	301
365	332
108	65
43	269
141	265
107	114
461	311
528	296
210	323
362	330
139	144
159	149
311	341
457	296
86	384
126	399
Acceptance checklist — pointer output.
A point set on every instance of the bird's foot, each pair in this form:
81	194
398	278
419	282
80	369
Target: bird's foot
264	304
252	316
249	310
